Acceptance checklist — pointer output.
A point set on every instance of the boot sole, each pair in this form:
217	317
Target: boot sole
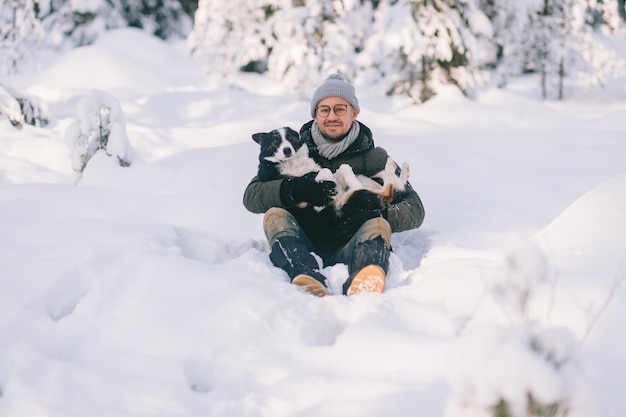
311	285
369	279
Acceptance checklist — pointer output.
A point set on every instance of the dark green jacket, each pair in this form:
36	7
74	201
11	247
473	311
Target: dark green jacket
365	159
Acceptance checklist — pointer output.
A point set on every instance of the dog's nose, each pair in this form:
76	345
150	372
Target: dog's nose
287	151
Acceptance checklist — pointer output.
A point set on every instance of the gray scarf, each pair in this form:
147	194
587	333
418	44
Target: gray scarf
330	150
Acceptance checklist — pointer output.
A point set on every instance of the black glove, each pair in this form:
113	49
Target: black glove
365	200
353	221
307	189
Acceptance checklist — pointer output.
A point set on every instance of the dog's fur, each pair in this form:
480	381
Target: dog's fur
284	154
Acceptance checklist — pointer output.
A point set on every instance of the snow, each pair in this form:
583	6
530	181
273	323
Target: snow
147	290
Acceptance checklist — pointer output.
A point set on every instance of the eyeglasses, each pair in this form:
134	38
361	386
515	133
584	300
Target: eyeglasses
338	109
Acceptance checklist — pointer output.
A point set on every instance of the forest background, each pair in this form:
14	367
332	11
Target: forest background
406	47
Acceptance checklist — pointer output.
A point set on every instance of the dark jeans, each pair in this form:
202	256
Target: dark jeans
370	245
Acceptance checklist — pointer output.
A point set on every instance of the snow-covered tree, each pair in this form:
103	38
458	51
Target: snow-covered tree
297	42
555	39
604	14
227	33
19	108
417	45
509	19
163	18
310	40
411	47
292	49
100	125
189	6
71	23
550	44
20	33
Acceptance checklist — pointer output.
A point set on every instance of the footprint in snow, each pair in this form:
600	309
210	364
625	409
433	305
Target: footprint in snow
199	247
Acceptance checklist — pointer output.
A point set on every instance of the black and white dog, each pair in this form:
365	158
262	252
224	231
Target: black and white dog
284	154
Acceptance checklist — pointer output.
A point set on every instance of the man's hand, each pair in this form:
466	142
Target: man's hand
307	189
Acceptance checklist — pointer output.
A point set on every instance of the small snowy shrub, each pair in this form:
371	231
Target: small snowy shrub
21	108
523	369
525	269
100	126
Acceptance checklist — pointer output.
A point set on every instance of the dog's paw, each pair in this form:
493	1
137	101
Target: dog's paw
324	174
405	172
390	167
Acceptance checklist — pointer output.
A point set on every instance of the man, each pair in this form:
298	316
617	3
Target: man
361	236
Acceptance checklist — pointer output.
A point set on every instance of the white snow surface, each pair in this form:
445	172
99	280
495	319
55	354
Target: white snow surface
148	291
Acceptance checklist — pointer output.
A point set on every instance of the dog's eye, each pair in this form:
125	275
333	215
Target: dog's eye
295	140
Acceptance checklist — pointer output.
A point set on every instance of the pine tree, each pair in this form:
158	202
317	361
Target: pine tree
422	44
553	38
226	34
410	47
162	18
604	14
509	19
76	23
545	43
71	23
189	6
311	40
20	33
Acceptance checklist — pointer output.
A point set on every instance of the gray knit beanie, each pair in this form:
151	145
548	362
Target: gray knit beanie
335	86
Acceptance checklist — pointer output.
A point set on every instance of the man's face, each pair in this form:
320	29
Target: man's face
333	126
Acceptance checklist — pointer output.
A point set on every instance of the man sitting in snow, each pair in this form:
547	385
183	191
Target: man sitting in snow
361	237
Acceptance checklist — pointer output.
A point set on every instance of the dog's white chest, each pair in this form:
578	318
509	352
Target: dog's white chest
299	165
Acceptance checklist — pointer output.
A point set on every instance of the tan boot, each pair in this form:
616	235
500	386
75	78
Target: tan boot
311	285
369	279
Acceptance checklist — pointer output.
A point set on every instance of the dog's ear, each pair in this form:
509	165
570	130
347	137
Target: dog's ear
258	137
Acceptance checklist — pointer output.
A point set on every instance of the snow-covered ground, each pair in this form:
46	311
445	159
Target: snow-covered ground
147	290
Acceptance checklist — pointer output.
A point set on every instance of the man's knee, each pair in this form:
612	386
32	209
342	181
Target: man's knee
373	228
278	222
